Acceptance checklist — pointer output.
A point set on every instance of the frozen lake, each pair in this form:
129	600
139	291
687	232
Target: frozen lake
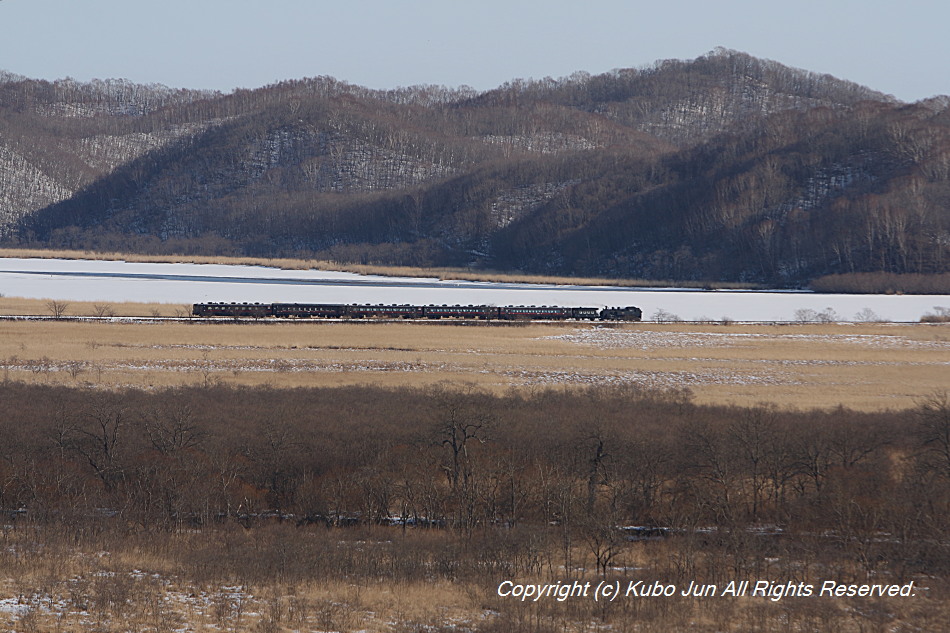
101	281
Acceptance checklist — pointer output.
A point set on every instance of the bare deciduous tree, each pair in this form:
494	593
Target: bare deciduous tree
102	310
57	308
933	414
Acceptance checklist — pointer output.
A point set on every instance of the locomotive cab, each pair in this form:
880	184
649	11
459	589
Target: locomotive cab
629	313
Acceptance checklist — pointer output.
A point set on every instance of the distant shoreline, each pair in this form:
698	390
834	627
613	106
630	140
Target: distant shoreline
383	271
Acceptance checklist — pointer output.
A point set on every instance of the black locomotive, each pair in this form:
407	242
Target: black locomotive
365	311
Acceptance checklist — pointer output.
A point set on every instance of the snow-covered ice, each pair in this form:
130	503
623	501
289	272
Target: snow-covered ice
117	281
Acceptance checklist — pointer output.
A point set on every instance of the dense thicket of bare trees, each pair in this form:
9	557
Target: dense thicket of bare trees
446	484
587	462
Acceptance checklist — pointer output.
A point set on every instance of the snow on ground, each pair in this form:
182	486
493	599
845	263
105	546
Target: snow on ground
77	601
105	281
276	365
608	338
651	379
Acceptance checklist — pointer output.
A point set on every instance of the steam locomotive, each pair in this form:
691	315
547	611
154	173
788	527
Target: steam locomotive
365	311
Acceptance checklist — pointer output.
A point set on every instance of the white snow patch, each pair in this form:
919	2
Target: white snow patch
608	338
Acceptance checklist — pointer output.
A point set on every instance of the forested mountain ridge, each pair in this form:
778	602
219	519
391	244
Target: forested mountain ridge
688	101
724	167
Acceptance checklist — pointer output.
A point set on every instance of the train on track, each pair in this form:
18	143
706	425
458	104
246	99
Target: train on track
366	311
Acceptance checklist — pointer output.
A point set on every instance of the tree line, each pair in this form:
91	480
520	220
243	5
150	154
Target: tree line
465	460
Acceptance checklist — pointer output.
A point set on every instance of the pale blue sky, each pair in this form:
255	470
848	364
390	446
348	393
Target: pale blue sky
899	48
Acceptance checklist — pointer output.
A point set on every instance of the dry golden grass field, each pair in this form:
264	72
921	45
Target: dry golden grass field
117	595
866	367
95	567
